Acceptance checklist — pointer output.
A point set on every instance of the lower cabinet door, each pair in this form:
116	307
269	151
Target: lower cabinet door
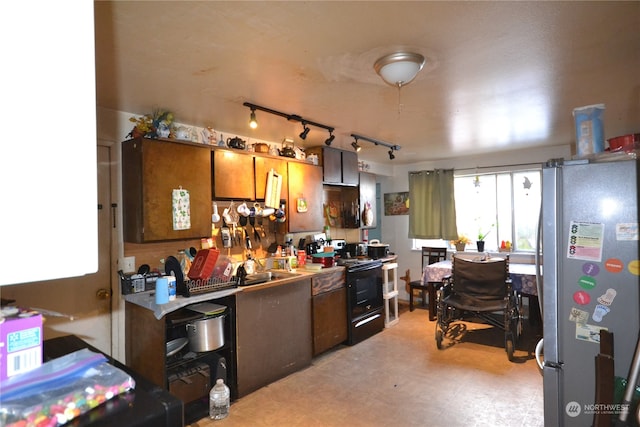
329	320
273	334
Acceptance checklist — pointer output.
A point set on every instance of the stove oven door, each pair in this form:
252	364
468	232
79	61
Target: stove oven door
364	301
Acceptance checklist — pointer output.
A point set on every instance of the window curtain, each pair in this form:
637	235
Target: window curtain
432	209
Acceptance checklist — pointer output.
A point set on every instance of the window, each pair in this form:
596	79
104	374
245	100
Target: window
505	206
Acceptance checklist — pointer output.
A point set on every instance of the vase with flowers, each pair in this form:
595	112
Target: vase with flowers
481	236
158	124
460	242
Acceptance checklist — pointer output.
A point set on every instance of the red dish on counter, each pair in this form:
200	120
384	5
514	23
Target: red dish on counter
324	258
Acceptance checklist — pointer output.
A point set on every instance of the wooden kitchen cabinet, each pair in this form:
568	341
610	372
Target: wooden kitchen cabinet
151	170
329	310
340	167
305	182
350	175
273	334
262	166
368	195
233	175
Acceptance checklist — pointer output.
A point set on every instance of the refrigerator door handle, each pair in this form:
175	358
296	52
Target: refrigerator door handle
538	354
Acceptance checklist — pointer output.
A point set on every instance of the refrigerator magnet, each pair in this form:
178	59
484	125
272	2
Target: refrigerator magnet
590	333
578	316
581	297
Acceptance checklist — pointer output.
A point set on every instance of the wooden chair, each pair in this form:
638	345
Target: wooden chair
429	256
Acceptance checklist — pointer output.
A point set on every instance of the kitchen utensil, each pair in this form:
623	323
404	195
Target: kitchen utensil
237	143
324	258
377	250
243	209
215	217
261	147
176	345
203	264
226	216
206	334
287	152
173	268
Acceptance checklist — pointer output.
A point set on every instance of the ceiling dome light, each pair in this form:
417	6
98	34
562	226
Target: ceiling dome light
400	68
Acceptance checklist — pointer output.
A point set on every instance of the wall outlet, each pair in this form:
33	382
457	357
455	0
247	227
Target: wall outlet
127	264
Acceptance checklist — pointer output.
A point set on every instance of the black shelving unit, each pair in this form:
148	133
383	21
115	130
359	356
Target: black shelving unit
221	362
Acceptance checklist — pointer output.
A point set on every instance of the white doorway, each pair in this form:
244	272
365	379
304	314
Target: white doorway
85	301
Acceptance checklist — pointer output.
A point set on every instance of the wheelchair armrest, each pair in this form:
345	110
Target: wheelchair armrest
446	286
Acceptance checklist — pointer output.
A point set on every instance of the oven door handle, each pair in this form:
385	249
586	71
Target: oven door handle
367	320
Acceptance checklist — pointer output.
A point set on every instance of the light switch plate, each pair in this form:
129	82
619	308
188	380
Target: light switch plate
127	264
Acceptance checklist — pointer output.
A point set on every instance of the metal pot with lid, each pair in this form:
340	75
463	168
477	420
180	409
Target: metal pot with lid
206	334
377	250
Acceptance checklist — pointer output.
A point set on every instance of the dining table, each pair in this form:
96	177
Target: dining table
523	281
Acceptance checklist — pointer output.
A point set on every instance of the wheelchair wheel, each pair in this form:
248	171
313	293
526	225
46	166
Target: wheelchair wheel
509	347
439	336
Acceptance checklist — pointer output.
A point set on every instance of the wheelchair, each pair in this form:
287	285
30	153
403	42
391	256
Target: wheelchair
479	289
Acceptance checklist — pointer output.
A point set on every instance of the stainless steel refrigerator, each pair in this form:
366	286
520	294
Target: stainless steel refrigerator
590	280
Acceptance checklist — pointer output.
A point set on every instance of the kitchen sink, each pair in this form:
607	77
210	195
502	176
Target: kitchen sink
267	276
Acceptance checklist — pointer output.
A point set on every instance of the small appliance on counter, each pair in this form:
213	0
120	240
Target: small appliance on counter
377	250
355	250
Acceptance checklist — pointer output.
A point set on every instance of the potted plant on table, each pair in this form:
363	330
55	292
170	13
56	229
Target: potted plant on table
481	236
460	242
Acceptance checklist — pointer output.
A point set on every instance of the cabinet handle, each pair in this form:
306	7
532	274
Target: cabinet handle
113	210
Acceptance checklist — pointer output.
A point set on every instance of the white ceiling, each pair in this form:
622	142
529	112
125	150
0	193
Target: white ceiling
499	75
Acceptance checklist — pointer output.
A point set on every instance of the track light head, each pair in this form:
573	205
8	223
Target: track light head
253	123
356	146
305	132
391	156
329	140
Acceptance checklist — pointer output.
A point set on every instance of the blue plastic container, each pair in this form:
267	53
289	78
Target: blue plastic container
589	129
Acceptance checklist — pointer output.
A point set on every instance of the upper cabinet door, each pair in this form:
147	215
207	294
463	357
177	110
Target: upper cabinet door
332	165
305	197
339	167
151	170
350	175
233	175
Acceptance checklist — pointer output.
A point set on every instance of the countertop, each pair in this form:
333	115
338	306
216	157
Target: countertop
147	299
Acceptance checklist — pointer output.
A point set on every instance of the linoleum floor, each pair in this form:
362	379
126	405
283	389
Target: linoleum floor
399	378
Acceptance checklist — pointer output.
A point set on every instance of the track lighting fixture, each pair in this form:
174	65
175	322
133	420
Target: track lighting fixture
329	140
290	117
355	145
253	123
393	147
305	132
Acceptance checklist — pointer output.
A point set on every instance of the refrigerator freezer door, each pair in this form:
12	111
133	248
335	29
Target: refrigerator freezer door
590	280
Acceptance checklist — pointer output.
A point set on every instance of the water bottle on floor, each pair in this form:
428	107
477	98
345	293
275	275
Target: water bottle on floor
219	399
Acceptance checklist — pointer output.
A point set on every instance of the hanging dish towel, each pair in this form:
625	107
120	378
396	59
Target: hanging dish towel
181	209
